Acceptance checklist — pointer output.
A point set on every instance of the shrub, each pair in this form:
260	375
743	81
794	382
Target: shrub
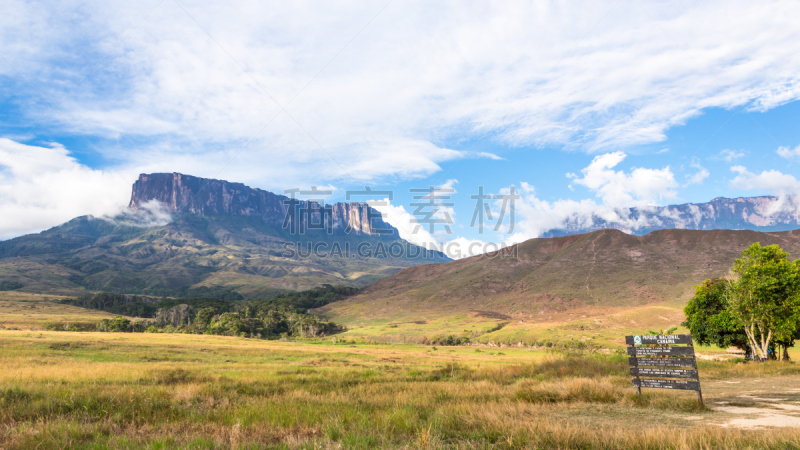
116	325
572	390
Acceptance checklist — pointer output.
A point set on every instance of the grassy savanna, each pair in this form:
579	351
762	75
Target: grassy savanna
120	390
603	327
22	309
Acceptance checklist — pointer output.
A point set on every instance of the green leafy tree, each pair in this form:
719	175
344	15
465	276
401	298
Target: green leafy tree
116	325
663	332
708	318
205	315
762	296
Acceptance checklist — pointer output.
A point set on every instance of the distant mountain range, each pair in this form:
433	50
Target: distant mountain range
190	236
745	213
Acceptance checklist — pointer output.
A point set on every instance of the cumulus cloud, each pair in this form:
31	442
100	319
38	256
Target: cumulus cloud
789	153
434	208
786	187
453	246
617	188
406	224
45	186
461	247
770	181
538	217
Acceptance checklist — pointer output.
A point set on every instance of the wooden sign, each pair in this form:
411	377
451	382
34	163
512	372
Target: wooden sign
663	362
669	339
668	373
661	351
667	384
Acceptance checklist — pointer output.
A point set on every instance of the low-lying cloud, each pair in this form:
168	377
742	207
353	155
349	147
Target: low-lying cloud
41	187
152	213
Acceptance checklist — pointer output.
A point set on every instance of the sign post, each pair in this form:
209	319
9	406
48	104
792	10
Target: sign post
658	364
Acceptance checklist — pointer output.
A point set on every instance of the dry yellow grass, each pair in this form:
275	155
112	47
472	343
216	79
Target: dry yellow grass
22	309
88	390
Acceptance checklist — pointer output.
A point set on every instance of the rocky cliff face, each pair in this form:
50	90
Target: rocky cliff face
208	197
750	213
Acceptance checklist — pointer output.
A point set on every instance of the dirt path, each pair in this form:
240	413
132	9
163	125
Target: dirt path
754	403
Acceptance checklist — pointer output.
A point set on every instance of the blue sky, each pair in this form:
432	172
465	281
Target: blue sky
583	106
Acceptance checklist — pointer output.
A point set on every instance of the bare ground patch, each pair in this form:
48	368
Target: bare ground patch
756	403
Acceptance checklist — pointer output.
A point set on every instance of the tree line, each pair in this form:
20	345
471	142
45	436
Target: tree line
285	315
755	308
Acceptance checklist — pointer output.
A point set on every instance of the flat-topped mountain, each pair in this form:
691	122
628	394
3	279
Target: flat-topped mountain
207	197
190	236
764	213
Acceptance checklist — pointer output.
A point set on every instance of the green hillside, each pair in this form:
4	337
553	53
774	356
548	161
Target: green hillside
193	256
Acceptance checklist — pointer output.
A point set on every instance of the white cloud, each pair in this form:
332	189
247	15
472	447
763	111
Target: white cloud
537	217
769	181
451	245
729	156
789	153
45	186
489	155
449	186
786	187
461	247
441	209
699	176
151	213
616	188
398	217
418	75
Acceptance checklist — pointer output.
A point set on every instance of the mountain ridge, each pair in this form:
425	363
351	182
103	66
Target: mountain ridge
761	213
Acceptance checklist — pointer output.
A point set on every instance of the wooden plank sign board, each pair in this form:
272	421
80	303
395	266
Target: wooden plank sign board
661	351
667	373
662	362
656	362
670	339
668	384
